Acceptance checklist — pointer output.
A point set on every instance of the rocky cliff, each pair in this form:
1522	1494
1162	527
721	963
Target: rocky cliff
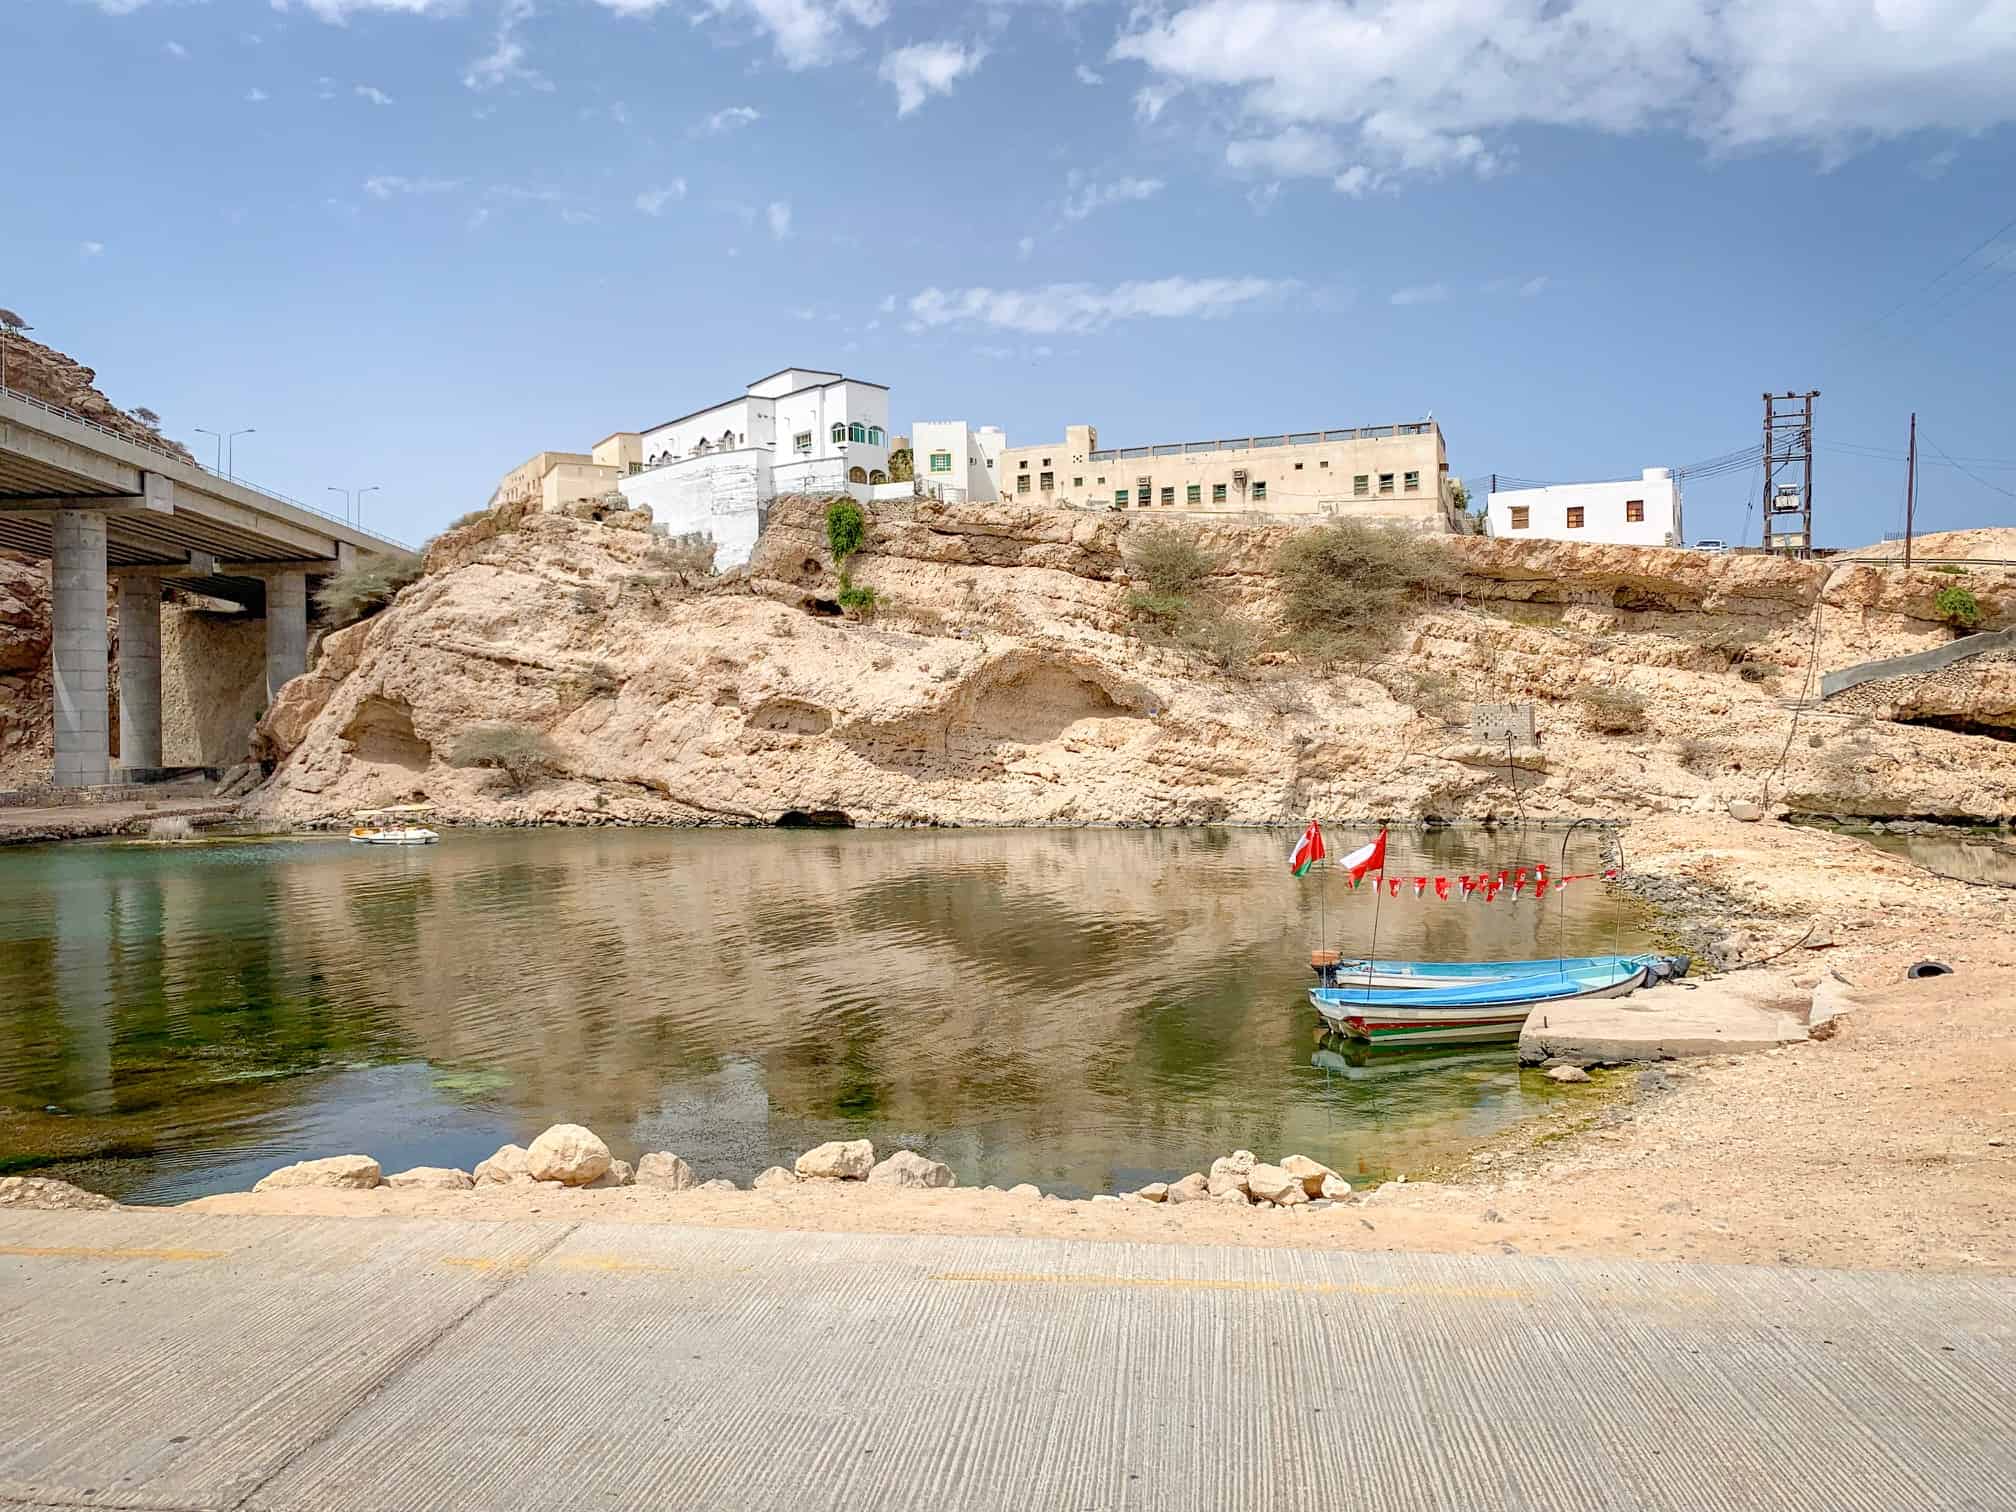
42	372
1003	680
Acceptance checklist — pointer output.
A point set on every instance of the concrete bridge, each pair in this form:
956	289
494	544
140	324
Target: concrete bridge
96	504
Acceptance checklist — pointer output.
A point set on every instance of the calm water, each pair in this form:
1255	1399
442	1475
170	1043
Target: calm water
1081	1009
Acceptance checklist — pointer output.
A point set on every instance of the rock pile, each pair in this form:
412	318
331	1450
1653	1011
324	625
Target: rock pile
1243	1178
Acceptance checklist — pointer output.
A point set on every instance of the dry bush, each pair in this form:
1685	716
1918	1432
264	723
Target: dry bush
1758	671
1168	561
1612	711
693	551
925	619
1225	639
1351	580
1697	756
362	589
518	751
171	827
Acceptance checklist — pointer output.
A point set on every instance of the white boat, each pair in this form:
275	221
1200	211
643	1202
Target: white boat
397	825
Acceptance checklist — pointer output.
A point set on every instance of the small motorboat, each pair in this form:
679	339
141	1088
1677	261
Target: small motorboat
1494	1009
397	825
1333	970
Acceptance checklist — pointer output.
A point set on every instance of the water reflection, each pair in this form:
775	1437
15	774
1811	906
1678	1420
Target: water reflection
1078	1008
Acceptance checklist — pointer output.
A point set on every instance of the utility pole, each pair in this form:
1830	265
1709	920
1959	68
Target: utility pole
1911	488
1788	443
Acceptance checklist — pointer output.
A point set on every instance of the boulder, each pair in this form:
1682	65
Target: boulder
1269	1183
1744	810
567	1153
46	1192
1228	1173
1155	1191
838	1160
661	1168
1336	1188
775	1176
1232	1194
359	1172
718	1184
1567	1074
906	1168
619	1174
1192	1188
432	1178
1025	1189
1311	1173
507	1165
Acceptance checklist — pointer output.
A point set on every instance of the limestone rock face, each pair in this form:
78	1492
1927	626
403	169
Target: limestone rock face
661	1168
838	1160
46	1192
432	1178
567	1153
509	1164
356	1171
1311	1173
1192	1188
906	1168
775	1176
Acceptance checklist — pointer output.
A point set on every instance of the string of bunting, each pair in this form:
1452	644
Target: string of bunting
1485	887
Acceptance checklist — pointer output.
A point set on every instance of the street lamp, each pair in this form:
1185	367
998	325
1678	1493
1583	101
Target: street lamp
230	458
206	431
332	488
374	488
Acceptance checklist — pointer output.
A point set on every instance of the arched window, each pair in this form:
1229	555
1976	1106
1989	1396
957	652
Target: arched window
701	448
857	432
857	474
727	440
875	436
878	476
839	434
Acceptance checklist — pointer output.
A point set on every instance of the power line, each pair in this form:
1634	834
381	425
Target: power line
1997	487
1987	241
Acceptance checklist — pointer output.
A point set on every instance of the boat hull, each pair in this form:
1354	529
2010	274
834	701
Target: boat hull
1398	1024
1409	975
397	837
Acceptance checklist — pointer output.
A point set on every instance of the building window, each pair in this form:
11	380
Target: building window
1385	483
875	436
1022	484
1322	464
1102	478
1411	482
1168	494
1574	516
1259	493
1046	461
1217	493
1141	496
1048	482
802	443
1298	467
1077	482
840	435
1361	484
1023	464
636	468
878	476
941	461
857	475
1193	494
857	432
1634	511
1521	516
1119	498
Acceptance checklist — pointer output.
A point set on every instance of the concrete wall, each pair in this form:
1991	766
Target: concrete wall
570	482
623	451
718	494
213	685
1604	509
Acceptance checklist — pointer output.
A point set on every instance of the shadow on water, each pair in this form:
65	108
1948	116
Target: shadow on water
1083	1008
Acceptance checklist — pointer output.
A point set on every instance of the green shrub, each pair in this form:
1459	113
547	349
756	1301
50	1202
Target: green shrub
846	528
857	599
362	589
518	751
1958	607
1343	585
1168	561
1951	571
1226	639
1612	711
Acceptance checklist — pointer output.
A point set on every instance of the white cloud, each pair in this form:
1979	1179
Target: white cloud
386	186
1052	308
256	96
119	7
805	33
1087	198
176	51
372	93
337	12
1262	196
1087	76
1150	100
1433	293
924	69
731	119
573	217
778	214
1025	248
479	218
654	201
1296	152
505	63
888	305
1412	89
1533	287
90	248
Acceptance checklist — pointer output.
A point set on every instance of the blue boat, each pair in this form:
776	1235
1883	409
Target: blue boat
1450	1004
1416	974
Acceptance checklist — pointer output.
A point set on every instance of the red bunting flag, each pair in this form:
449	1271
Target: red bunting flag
1610	873
1504	877
1442	887
1540	868
1491	891
1540	889
1519	879
1420	886
1392	887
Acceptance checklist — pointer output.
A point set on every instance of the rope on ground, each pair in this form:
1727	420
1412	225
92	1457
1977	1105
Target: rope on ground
1805	694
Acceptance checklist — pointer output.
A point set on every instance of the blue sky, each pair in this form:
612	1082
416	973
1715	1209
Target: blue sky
413	241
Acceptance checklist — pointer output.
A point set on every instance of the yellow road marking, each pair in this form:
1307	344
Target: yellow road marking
91	1252
607	1264
1207	1283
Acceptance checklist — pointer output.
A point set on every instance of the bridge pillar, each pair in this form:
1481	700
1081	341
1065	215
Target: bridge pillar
286	630
139	671
78	651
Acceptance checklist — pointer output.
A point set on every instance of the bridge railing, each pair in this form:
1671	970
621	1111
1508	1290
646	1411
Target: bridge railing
189	461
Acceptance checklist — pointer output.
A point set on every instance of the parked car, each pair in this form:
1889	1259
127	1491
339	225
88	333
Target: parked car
1711	545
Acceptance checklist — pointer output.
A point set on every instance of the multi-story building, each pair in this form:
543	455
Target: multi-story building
1641	511
956	462
1393	473
799	430
555	479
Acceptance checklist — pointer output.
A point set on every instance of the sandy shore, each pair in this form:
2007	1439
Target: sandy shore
1890	1144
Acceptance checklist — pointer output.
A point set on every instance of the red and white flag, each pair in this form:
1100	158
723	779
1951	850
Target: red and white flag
1308	850
1367	858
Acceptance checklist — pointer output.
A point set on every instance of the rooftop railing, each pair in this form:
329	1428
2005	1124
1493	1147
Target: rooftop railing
1260	443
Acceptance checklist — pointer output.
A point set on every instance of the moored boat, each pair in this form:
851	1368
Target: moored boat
398	825
1335	971
1474	1012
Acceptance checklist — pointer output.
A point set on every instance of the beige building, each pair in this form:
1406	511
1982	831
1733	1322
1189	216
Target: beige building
622	450
1395	473
557	479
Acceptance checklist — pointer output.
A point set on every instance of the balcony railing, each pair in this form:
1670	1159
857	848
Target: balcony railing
1261	443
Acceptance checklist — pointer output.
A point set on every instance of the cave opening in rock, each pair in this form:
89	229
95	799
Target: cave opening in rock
815	819
1959	725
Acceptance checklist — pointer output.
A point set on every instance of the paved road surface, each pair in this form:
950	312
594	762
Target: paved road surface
173	1360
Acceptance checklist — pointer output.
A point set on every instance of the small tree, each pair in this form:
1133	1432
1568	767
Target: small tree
10	325
1958	607
902	466
361	590
1168	561
846	527
147	418
518	751
1343	585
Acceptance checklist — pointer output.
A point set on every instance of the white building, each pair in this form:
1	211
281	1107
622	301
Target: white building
956	462
799	430
1644	511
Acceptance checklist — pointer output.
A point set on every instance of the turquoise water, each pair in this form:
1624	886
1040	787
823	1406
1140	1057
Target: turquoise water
1082	1009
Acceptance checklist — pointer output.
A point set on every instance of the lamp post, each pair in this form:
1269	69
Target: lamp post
359	521
332	488
230	453
213	435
